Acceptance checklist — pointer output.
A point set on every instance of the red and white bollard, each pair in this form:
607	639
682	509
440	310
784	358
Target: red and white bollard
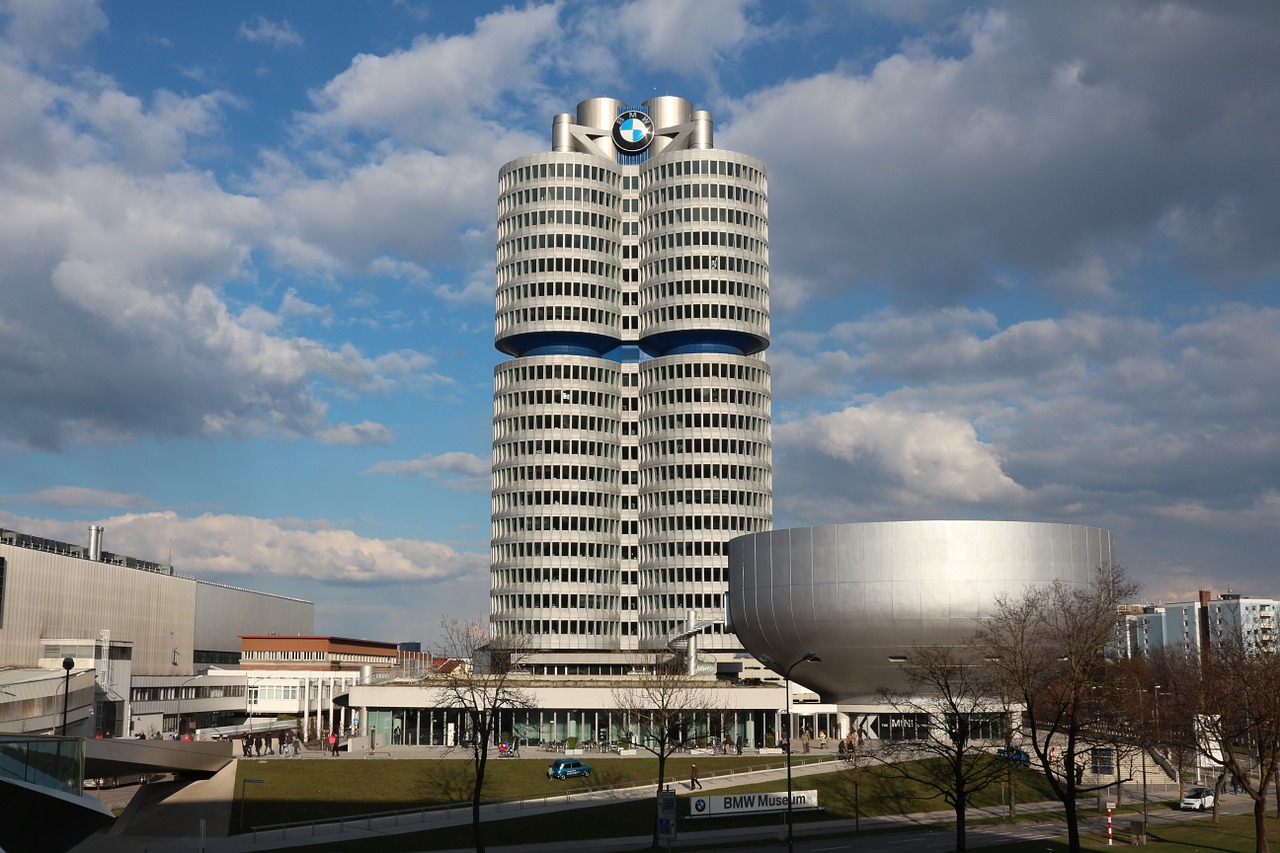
1110	837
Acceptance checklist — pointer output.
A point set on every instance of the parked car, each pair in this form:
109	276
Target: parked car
1016	755
1197	799
563	768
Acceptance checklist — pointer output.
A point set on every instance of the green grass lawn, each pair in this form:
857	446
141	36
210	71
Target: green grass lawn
1234	834
311	790
322	790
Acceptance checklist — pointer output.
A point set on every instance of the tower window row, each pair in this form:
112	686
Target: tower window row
658	631
552	370
666	550
562	497
669	217
557	240
532	473
565	397
725	192
709	471
522	449
686	239
536	548
674	446
653	501
539	289
565	574
705	420
561	627
702	286
542	171
679	168
673	524
587	423
534	266
545	194
704	311
683	574
525	219
684	396
566	600
680	263
684	601
575	522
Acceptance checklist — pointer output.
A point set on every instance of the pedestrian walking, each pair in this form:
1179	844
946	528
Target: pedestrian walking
257	744
693	777
333	743
738	744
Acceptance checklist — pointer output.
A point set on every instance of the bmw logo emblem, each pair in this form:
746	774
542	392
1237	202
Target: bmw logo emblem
700	804
632	131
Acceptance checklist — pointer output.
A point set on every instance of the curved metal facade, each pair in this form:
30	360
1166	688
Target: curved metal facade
862	595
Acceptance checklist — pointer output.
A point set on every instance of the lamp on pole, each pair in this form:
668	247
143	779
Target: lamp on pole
809	657
180	688
1142	740
68	664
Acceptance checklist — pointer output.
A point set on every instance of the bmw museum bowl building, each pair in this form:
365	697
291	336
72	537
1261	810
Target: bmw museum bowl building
862	595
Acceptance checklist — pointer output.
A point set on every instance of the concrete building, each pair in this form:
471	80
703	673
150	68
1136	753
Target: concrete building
123	623
631	428
1187	628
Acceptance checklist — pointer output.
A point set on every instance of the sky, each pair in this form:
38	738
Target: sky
1023	260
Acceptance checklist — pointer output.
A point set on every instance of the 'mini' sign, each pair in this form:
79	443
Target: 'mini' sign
734	804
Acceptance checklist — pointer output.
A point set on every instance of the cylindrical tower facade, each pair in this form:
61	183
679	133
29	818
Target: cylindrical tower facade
632	421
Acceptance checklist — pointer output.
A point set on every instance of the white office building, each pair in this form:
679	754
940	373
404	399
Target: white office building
631	427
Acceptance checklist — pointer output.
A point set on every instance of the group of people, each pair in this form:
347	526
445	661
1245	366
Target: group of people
264	743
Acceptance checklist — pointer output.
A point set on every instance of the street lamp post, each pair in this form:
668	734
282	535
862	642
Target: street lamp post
68	664
180	689
1143	741
809	657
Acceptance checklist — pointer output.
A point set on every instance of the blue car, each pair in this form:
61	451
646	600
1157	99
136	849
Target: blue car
1016	755
563	768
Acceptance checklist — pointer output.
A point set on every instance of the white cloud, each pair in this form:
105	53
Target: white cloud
1064	146
462	471
908	461
259	30
686	35
116	254
243	550
435	92
48	30
365	432
80	497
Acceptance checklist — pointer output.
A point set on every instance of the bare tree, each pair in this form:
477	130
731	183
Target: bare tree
481	691
1226	705
1050	646
661	705
952	715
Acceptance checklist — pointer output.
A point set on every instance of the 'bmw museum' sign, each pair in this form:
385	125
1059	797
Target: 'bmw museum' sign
632	131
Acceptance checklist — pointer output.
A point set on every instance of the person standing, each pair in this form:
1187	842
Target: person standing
693	777
333	743
738	743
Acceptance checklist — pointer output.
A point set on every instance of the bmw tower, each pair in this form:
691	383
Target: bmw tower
631	419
